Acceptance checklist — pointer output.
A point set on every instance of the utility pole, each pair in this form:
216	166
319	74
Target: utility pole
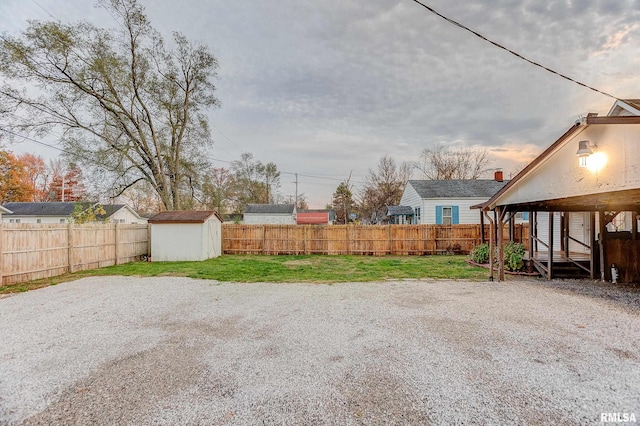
296	202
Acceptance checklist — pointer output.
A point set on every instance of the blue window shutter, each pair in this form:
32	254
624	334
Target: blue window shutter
525	215
455	213
438	215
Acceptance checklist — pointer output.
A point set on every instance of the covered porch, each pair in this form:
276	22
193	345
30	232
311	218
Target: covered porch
602	244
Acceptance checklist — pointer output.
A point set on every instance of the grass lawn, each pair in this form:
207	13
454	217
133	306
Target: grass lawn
286	269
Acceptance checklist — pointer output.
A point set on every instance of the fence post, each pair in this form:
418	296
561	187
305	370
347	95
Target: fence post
348	240
264	236
70	246
389	239
1	250
304	239
117	241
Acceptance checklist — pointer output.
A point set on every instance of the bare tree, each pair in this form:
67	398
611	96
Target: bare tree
125	103
442	163
383	187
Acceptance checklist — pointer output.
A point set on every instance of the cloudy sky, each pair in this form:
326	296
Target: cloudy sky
325	88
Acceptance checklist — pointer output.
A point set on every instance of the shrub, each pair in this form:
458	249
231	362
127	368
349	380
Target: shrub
513	256
480	254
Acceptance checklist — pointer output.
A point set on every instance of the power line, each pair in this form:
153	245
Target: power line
92	161
514	53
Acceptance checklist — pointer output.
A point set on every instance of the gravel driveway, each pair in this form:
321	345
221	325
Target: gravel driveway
121	350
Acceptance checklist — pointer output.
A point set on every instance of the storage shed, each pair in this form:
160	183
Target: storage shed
185	235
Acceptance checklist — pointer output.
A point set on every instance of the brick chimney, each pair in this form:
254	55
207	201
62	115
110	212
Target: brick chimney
498	176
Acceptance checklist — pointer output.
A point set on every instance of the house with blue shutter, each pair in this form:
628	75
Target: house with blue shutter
448	202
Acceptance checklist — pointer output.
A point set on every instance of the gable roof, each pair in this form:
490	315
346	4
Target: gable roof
579	126
44	209
625	107
184	216
111	209
270	208
399	210
5	210
456	188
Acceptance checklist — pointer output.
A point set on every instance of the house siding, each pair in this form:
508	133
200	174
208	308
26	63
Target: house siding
126	215
269	219
466	216
34	219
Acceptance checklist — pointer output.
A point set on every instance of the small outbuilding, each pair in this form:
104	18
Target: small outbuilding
270	214
185	235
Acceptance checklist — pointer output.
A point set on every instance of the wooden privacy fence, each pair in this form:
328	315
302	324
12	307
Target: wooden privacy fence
33	251
375	240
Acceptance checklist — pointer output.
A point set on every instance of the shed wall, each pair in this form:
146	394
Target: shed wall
177	242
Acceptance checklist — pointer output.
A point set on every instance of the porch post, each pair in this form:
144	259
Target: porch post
603	232
550	250
531	233
491	246
482	239
500	232
592	243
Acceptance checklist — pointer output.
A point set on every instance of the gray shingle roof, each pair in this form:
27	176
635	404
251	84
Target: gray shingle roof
457	188
270	208
43	209
399	210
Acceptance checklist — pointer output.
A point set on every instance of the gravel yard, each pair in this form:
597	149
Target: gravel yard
123	350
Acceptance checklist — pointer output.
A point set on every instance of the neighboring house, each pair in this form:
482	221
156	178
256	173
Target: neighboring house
584	195
400	215
121	213
448	202
4	210
316	217
276	214
61	212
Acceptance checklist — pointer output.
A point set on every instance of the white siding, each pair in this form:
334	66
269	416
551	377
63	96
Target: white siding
466	215
186	241
124	215
411	198
269	219
34	219
559	175
543	230
579	229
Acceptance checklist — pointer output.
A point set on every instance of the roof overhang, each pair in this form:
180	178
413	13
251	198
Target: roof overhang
580	203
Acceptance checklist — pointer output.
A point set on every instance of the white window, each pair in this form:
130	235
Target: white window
417	215
63	220
447	215
38	220
12	221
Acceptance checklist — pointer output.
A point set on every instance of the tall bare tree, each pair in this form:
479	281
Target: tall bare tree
443	163
125	103
383	187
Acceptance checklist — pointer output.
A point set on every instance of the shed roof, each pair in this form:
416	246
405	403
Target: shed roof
456	188
270	208
44	209
184	216
399	210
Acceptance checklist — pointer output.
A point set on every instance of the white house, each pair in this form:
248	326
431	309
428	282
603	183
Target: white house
121	213
448	202
277	214
185	236
56	212
4	210
588	183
